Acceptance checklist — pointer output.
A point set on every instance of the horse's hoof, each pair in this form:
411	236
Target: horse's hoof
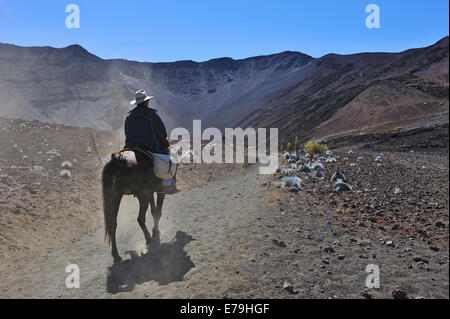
155	241
117	259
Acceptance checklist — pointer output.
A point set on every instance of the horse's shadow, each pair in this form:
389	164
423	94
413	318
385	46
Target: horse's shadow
163	263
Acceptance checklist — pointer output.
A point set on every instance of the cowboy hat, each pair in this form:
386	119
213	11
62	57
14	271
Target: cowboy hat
141	97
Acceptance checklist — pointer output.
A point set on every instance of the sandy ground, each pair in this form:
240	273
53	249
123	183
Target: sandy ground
202	242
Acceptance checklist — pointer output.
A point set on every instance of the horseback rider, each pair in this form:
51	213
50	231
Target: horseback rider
144	128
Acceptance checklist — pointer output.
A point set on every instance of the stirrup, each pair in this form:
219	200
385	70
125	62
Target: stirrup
168	190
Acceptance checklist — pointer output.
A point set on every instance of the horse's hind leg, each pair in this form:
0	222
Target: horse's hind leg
112	226
156	213
143	206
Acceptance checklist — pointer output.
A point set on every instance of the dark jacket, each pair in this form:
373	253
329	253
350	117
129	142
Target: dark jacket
144	127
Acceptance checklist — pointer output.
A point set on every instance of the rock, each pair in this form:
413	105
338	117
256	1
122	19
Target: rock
353	164
320	174
316	166
294	190
331	160
366	294
434	248
291	181
399	294
289	287
378	159
341	257
390	243
338	176
360	158
305	168
66	165
65	173
342	187
329	249
440	224
350	152
279	243
419	259
286	171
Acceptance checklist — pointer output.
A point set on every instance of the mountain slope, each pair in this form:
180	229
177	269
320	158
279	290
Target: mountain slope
72	86
343	94
302	96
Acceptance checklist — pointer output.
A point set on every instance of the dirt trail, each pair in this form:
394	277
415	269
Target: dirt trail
200	247
237	236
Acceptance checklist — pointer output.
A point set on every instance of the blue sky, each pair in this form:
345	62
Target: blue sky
170	30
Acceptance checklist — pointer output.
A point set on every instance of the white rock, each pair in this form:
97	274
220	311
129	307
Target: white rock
66	165
65	173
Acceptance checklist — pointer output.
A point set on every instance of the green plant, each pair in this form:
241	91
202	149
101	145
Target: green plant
315	147
297	144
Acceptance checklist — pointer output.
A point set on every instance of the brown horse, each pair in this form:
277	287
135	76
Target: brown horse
130	173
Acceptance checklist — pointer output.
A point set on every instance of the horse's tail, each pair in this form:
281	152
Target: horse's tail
111	192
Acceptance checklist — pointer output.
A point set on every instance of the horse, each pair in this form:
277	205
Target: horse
130	173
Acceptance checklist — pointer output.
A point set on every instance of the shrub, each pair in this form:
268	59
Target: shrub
398	129
315	147
289	147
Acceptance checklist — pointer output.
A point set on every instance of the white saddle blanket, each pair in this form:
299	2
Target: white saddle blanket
164	166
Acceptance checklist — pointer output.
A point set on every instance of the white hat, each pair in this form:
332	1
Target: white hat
141	97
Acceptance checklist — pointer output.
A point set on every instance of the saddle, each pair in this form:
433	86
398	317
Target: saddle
163	165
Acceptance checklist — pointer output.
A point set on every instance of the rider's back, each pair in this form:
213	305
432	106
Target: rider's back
144	128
